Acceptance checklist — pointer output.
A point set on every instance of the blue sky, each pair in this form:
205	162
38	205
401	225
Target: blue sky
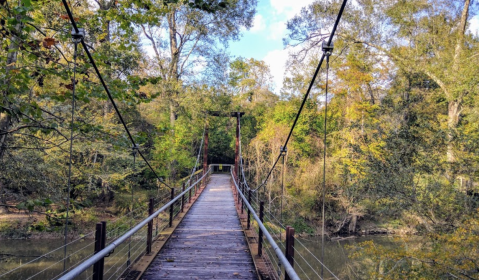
264	40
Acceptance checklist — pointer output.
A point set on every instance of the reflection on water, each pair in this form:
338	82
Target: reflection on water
335	256
17	252
14	253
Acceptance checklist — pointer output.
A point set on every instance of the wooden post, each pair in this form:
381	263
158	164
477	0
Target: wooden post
289	250
99	243
183	198
248	223
171	206
260	235
149	237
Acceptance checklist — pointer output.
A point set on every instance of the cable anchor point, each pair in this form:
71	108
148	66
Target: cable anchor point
327	49
135	148
77	37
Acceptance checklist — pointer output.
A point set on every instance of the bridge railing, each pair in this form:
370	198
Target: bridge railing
221	168
134	240
274	250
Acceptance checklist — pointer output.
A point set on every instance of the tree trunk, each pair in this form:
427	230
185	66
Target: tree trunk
175	55
173	67
5	120
454	106
105	5
12	52
452	121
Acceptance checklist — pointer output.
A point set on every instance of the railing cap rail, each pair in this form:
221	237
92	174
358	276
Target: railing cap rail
98	256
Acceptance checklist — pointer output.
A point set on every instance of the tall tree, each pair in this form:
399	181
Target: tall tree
189	36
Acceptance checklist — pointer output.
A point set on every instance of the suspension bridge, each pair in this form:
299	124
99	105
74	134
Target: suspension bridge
211	226
214	226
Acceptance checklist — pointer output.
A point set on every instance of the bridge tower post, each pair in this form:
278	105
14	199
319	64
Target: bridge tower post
238	114
205	156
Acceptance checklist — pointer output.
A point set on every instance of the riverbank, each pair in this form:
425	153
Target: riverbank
35	226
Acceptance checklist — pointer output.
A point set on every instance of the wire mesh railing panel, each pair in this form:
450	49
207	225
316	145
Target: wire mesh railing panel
37	265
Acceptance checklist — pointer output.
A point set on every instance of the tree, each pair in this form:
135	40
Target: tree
189	36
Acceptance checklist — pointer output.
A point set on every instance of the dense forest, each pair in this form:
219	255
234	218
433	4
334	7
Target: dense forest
402	149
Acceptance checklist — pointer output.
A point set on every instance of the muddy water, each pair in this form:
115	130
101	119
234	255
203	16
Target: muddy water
26	255
337	264
14	253
335	257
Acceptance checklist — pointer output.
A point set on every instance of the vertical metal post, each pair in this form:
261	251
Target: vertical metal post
96	266
149	237
196	186
103	245
289	250
248	223
260	235
205	156
189	195
237	145
183	198
239	197
171	207
100	235
242	201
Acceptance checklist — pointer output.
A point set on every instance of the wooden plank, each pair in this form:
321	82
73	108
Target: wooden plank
209	242
142	264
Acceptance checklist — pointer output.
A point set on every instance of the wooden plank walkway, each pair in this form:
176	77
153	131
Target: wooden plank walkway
209	243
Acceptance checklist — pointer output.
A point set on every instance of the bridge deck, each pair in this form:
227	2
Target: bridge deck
209	243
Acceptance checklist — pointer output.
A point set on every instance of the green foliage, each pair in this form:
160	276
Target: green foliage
30	204
433	256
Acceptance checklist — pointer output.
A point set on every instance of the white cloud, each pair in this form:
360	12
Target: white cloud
276	59
474	25
288	7
276	30
258	24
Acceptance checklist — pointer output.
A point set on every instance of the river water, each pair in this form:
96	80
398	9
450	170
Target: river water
27	258
14	253
308	256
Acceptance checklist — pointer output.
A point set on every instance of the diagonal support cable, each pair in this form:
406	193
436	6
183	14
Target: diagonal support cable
92	61
338	19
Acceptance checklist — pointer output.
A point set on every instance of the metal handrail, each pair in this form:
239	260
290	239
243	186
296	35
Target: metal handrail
101	254
222	164
187	178
281	257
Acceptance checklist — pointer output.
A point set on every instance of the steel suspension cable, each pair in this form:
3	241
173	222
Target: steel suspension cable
320	262
135	149
305	98
110	97
70	162
328	54
199	153
282	193
243	177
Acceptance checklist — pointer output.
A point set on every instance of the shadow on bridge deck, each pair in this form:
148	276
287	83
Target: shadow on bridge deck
208	243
